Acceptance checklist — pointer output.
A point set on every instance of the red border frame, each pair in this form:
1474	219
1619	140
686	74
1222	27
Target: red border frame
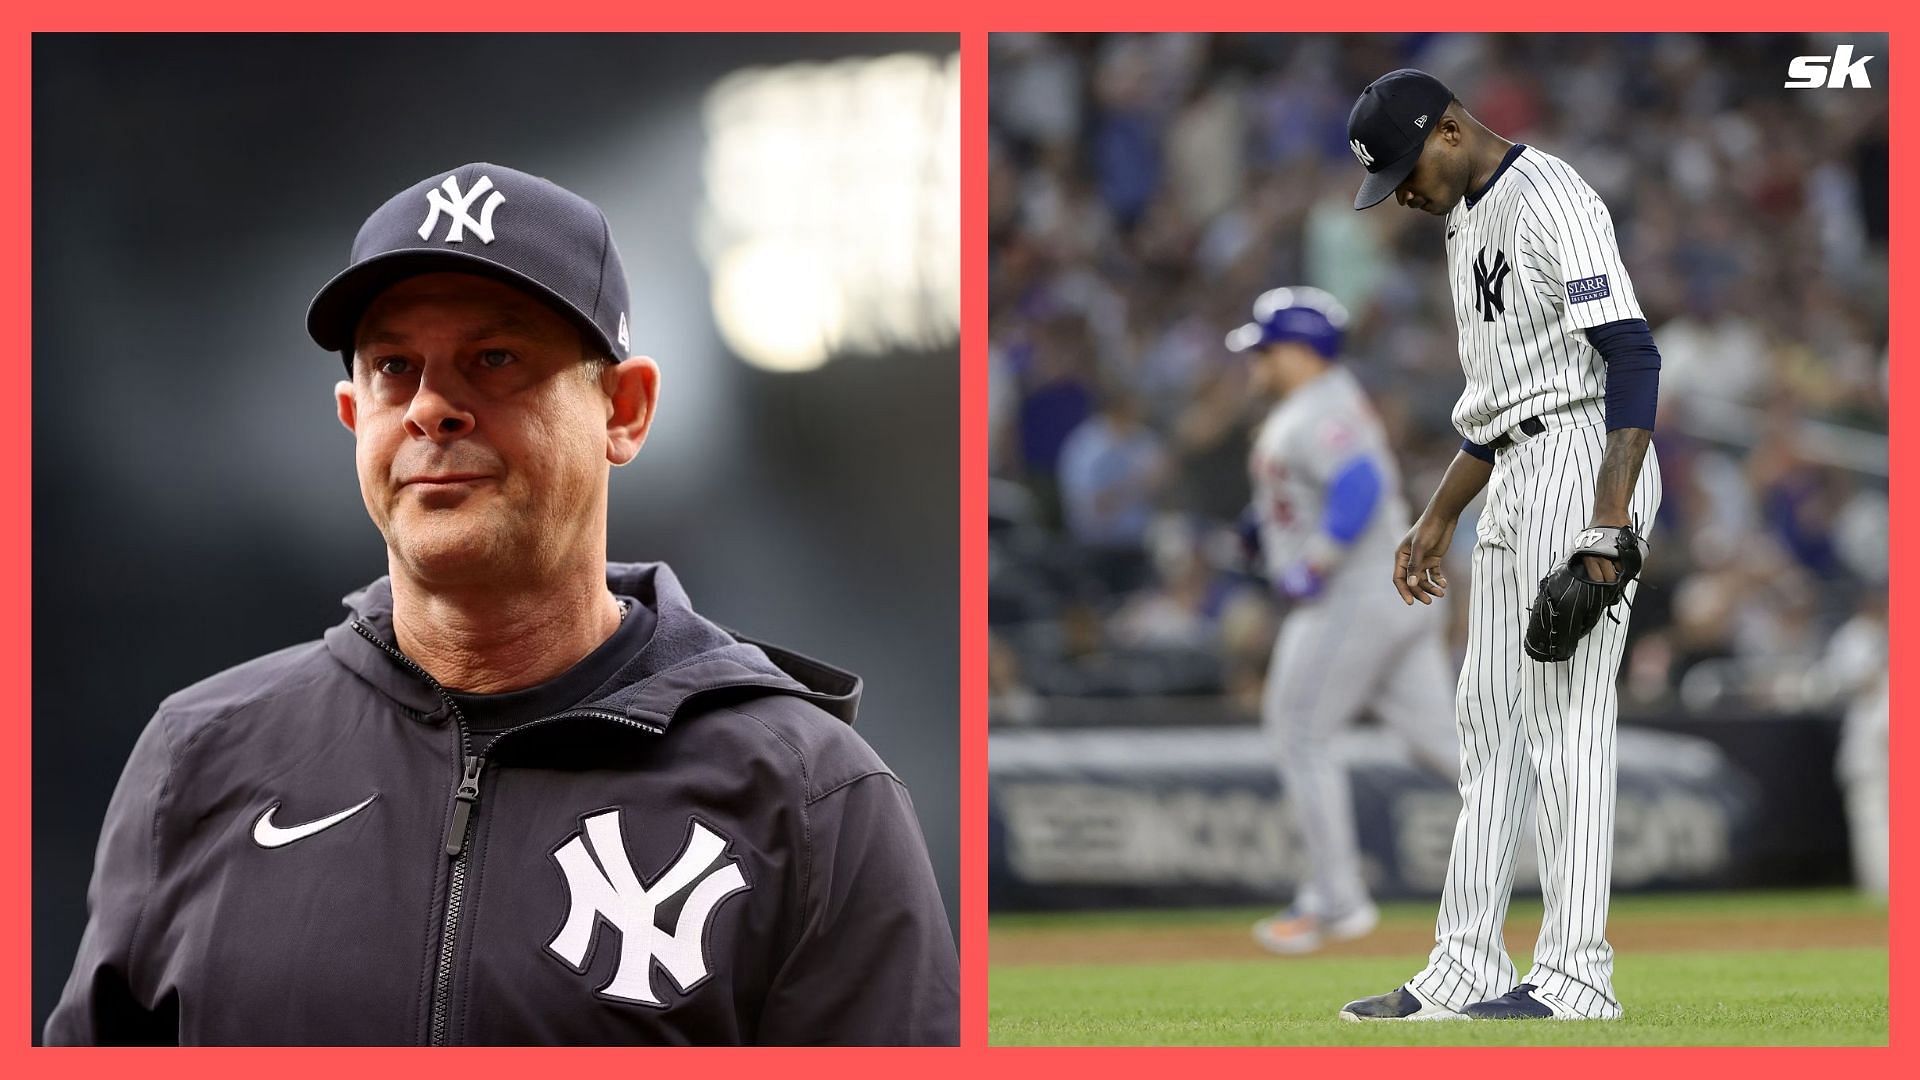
972	21
973	538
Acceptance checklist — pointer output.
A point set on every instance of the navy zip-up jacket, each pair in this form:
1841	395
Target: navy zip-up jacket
324	846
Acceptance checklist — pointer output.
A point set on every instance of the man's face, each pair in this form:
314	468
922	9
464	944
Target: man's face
1278	367
481	441
1263	374
1440	177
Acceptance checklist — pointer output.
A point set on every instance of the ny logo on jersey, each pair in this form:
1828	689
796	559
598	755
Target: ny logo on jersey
455	204
602	886
1487	283
1361	152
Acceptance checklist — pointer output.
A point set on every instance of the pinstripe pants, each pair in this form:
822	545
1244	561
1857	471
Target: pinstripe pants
1535	733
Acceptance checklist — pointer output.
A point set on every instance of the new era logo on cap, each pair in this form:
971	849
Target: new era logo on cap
531	233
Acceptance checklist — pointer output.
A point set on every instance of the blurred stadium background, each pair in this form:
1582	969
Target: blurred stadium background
787	208
1146	187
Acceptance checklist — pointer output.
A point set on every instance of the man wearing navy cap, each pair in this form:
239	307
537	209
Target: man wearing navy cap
1327	507
1562	381
521	794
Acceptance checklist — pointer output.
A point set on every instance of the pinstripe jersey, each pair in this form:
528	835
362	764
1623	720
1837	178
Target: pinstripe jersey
1533	263
1305	441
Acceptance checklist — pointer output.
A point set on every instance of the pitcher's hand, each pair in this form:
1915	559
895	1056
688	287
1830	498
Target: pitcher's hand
1416	565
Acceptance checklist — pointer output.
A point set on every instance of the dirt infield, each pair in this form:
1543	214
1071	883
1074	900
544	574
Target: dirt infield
1644	933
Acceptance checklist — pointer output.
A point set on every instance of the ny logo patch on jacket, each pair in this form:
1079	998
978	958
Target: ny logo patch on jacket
602	885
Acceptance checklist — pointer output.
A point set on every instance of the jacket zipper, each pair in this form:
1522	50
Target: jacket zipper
466	798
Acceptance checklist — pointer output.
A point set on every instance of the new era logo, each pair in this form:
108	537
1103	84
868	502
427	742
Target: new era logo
449	198
1422	122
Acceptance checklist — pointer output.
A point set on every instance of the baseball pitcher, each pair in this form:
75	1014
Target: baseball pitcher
1561	381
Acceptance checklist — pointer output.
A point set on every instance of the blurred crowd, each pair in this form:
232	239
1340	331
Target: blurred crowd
1145	188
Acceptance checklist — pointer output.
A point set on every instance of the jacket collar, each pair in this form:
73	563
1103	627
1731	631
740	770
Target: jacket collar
688	656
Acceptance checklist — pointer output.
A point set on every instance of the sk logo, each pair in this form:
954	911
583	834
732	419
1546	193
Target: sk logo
1360	152
1487	282
602	886
455	204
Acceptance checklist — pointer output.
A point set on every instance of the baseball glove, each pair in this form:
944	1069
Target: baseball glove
1569	602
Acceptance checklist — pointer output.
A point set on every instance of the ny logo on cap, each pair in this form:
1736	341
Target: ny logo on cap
455	204
1360	152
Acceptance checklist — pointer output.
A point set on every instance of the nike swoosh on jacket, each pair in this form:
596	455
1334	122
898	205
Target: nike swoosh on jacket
269	835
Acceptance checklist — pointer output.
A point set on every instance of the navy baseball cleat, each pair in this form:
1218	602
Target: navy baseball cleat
1401	1004
1516	1004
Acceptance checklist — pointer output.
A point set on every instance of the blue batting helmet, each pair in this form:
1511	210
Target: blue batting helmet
1299	313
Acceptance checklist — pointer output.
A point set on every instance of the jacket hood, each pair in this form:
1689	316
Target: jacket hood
687	656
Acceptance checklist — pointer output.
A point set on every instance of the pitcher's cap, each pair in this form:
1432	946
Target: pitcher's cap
1388	126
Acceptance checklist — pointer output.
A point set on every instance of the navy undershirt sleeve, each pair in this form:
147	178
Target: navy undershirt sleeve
1483	453
1633	372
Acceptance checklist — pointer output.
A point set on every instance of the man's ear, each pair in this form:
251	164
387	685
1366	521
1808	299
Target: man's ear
633	388
343	404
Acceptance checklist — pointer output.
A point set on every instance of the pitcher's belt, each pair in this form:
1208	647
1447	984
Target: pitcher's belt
1527	428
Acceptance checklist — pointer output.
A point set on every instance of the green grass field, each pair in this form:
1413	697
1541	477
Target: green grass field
1697	969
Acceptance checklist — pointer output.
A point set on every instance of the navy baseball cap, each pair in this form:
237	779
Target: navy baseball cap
1389	125
1301	313
484	219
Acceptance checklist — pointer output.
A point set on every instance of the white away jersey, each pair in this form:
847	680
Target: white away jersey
1302	445
1533	263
